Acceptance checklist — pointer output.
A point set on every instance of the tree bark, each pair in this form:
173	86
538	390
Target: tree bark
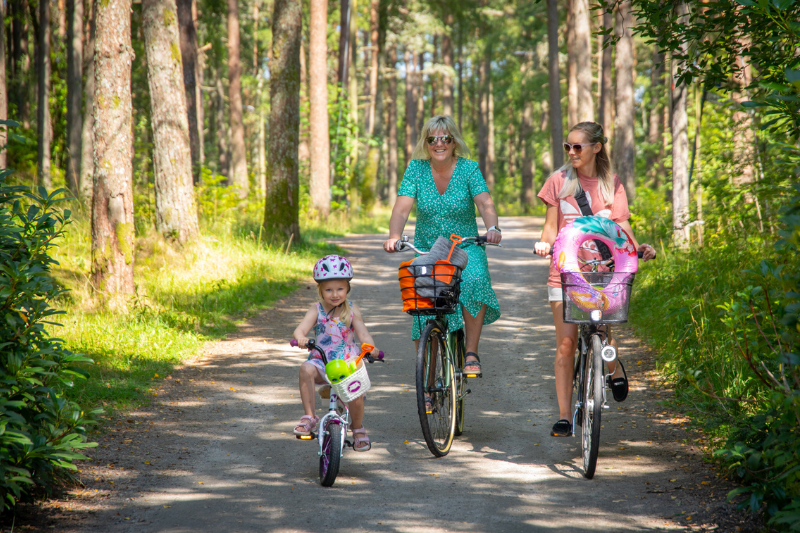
222	128
176	214
112	201
373	66
680	152
583	58
87	136
554	83
447	59
526	146
606	108
318	99
411	107
572	66
344	40
281	215
188	38
434	77
483	113
654	126
43	119
419	86
238	168
460	80
304	149
74	93
22	62
352	94
3	88
744	138
490	153
624	148
391	164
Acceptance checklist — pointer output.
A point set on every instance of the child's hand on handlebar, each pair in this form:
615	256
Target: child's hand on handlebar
542	248
302	341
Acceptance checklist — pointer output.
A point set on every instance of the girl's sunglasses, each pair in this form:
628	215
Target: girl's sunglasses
577	146
433	139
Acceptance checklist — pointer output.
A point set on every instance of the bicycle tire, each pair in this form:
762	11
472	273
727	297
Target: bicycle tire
438	427
593	387
461	381
331	455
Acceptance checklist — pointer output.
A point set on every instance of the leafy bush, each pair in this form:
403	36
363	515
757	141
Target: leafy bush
41	433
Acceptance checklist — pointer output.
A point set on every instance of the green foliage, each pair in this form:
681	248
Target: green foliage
41	432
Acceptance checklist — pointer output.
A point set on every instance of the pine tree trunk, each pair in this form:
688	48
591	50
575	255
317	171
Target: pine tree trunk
680	152
318	96
43	120
654	126
303	150
572	66
188	38
460	80
624	148
223	149
434	77
373	66
419	85
281	215
606	108
74	93
554	83
87	135
525	137
447	59
583	45
3	88
411	108
238	167
391	165
112	200
176	214
344	40
744	137
490	153
22	62
352	94
483	113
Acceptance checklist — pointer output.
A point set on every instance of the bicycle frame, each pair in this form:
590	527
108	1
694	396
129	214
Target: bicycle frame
333	416
585	334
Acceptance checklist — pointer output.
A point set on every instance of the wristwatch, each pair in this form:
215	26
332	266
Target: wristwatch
495	228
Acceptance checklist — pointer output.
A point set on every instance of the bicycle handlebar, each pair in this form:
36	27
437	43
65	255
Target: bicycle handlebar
479	240
312	345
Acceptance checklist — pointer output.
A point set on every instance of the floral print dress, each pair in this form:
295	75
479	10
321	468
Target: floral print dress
334	337
440	215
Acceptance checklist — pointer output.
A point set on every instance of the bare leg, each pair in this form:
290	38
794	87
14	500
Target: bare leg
356	408
566	341
308	376
473	325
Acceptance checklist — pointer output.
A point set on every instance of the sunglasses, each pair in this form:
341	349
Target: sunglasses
577	146
433	139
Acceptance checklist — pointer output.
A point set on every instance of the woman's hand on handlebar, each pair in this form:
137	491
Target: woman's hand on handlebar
542	248
647	251
494	237
390	245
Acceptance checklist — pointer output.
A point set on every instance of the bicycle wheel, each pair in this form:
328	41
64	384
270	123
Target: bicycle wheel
593	406
461	382
435	378
331	454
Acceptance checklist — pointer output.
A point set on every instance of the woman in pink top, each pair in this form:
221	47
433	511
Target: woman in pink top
588	168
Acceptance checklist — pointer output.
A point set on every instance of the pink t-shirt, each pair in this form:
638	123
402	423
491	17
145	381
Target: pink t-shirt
568	210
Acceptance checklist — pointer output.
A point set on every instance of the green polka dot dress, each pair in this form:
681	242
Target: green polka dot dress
440	215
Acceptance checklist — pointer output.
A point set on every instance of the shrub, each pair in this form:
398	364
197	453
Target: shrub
41	432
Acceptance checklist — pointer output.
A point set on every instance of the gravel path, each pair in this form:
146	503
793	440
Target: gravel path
215	452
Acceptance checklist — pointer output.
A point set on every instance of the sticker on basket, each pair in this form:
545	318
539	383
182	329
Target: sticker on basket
354	387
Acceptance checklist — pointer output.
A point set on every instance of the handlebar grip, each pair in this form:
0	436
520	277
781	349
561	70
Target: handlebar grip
399	246
480	239
293	343
380	355
640	254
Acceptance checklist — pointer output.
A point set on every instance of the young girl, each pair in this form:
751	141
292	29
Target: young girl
335	320
588	168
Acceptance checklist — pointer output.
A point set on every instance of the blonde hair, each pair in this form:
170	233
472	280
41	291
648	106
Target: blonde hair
344	310
594	133
442	123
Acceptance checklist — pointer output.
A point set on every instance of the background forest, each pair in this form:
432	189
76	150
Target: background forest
204	149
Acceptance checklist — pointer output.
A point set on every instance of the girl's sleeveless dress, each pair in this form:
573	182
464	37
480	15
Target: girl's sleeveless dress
335	338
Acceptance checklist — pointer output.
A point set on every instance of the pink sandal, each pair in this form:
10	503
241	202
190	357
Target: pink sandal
360	440
306	425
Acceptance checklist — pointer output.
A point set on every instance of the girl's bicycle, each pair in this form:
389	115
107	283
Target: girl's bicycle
332	434
441	385
590	378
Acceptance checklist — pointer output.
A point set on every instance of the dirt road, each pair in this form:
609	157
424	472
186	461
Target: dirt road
215	452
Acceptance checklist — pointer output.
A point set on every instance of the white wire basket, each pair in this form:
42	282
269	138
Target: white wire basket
354	385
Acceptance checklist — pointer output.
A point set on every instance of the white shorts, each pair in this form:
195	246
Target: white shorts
554	294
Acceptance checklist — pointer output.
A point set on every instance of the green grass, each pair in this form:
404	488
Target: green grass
185	297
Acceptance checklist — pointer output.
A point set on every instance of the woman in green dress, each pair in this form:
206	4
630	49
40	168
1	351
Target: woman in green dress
447	187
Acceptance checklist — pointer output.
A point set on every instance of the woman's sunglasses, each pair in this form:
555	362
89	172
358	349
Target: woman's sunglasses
433	139
577	146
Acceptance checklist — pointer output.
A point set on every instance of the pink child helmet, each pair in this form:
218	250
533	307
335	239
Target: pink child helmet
333	267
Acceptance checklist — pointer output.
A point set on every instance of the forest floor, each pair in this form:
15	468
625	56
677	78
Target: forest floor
213	449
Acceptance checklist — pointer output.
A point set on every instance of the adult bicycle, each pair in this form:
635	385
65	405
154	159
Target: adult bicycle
594	349
333	427
441	385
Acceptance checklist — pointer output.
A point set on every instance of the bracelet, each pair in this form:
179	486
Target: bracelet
494	228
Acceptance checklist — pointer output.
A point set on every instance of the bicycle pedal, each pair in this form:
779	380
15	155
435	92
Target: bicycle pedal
469	391
306	437
348	443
